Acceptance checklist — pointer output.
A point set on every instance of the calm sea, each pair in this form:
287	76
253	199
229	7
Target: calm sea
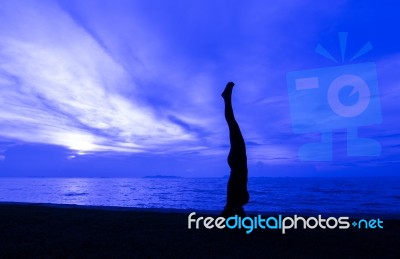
283	195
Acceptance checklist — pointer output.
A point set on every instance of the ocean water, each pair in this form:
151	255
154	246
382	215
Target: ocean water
379	196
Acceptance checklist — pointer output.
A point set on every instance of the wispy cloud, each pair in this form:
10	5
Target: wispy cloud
59	86
126	77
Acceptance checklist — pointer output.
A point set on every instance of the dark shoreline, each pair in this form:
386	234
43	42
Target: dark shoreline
70	231
393	216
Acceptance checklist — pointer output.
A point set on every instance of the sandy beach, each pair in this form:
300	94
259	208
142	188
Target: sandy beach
67	231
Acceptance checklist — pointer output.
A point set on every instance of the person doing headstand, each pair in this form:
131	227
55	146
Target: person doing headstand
237	194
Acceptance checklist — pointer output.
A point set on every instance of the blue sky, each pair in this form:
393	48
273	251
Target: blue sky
132	88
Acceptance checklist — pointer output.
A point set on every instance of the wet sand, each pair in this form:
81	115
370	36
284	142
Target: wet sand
35	230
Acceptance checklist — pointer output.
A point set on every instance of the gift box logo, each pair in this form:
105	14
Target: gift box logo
344	96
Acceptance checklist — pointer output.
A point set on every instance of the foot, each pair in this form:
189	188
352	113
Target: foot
227	93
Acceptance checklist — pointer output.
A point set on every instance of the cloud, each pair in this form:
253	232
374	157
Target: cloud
59	86
126	77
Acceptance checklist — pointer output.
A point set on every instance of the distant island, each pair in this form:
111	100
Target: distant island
162	176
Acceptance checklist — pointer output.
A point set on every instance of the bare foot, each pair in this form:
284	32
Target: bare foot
227	93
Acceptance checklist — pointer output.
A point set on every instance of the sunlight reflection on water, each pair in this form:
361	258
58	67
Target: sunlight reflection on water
355	195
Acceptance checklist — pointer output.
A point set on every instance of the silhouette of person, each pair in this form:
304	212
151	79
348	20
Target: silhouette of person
237	194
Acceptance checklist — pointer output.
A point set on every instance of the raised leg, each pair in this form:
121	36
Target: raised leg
237	194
